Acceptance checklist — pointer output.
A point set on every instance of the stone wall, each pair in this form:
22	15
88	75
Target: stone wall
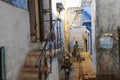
107	21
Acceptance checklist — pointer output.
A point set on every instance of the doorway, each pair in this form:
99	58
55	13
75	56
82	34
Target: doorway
119	44
2	64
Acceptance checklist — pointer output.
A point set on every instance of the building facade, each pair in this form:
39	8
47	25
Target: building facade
21	31
107	37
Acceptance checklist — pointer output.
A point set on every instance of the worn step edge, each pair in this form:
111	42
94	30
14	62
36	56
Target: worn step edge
30	69
36	53
33	53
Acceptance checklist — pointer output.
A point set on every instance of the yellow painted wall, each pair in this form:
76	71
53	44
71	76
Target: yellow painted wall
66	33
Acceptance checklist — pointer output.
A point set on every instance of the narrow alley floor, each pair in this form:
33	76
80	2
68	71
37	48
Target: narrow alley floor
87	67
81	70
74	73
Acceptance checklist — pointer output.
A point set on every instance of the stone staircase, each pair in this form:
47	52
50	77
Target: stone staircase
29	71
88	71
81	70
74	73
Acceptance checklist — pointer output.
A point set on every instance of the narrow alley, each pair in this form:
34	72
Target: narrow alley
81	70
59	39
74	73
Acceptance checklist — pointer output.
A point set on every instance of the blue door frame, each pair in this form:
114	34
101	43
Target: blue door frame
2	65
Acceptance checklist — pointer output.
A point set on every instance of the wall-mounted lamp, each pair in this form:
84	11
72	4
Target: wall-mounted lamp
59	7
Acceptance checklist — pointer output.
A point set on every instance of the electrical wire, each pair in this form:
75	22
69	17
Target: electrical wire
76	12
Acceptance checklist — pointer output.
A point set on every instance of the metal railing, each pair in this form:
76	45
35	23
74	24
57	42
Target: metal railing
43	54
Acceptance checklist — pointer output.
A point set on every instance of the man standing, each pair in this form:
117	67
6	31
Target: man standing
75	49
76	45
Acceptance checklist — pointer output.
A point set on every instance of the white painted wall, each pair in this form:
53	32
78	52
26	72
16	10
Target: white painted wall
71	3
15	37
76	34
76	29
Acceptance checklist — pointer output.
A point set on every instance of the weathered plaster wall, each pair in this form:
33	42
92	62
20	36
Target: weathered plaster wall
15	37
108	19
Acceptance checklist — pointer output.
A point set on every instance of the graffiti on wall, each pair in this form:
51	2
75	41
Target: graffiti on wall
19	3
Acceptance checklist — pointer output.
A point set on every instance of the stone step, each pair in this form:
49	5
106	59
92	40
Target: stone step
70	77
71	72
92	78
29	73
74	73
32	58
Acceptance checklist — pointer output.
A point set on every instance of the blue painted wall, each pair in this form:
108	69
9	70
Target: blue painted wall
19	3
86	20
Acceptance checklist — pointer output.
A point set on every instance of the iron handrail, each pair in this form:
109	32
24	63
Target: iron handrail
48	38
